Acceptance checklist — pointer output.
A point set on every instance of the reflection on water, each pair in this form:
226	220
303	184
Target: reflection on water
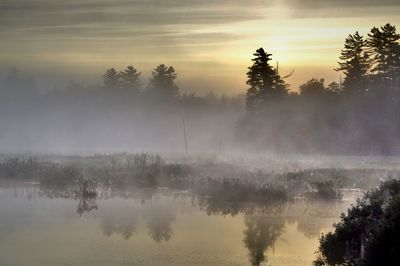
86	204
158	221
45	226
259	235
124	226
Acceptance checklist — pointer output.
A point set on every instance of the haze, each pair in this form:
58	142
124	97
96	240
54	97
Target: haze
208	42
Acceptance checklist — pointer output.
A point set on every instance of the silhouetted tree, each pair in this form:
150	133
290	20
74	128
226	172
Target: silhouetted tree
130	79
354	63
264	81
162	82
313	87
111	79
384	49
334	88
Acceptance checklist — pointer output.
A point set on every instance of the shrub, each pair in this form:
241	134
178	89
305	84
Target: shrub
368	233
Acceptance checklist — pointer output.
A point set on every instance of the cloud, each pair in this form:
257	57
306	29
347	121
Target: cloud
74	26
38	13
342	8
55	14
317	4
100	33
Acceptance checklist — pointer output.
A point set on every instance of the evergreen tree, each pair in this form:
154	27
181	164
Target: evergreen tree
354	63
384	49
111	79
253	92
264	81
130	79
162	82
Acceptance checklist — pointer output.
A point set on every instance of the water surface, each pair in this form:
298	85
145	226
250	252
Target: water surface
155	227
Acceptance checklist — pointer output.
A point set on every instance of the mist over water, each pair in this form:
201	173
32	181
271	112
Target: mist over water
133	169
154	227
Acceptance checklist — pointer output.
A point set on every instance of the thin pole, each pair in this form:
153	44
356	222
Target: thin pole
184	134
277	67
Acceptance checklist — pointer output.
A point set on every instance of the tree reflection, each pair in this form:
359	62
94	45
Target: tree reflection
231	197
86	205
124	226
260	234
313	217
159	221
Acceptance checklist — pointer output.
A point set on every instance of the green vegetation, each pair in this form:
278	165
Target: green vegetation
368	233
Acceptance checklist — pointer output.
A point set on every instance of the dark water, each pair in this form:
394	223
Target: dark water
155	227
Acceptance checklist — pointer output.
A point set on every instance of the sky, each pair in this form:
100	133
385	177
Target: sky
209	42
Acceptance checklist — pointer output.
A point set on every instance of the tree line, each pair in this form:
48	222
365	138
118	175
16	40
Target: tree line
161	83
369	65
357	115
124	87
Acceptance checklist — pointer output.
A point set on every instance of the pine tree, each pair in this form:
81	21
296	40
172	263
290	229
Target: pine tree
130	79
162	82
111	79
384	49
253	99
354	63
264	81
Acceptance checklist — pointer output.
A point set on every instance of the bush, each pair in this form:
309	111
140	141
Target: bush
368	233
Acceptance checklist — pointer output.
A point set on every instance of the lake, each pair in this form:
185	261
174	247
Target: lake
48	226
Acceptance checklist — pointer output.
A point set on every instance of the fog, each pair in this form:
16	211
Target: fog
88	119
214	158
94	119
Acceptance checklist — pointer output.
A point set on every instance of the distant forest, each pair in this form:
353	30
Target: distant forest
358	115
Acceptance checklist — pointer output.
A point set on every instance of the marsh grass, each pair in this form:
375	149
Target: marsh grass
208	177
232	196
325	190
